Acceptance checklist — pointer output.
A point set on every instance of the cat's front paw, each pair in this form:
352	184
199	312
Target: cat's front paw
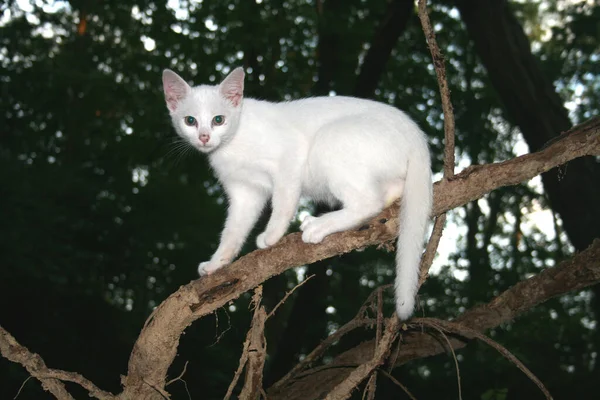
207	268
307	220
312	230
261	241
265	240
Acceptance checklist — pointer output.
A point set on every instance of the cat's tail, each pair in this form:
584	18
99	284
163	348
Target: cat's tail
415	208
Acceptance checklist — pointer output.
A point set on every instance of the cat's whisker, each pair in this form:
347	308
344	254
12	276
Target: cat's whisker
178	148
180	152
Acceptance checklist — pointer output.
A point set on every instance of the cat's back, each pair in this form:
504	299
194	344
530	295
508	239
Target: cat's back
334	104
314	112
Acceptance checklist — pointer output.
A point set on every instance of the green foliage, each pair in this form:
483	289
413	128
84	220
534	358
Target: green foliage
105	212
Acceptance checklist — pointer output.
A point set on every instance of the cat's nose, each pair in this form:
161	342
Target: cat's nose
204	138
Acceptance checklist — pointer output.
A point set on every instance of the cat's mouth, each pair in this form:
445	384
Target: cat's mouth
205	147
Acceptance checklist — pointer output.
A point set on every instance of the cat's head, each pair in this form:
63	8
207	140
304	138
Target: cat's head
206	116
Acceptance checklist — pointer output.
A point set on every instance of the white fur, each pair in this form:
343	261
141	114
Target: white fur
339	150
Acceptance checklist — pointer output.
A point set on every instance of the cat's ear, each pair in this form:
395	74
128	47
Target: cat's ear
232	87
175	89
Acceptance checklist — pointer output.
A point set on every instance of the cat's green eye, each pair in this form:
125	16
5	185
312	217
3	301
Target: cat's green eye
218	120
190	121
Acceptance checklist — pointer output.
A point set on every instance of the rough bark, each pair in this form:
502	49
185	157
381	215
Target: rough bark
577	273
157	344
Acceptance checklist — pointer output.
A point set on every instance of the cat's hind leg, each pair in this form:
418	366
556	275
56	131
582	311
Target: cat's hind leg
360	203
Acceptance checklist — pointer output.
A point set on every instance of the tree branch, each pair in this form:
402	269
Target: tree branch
254	353
449	133
50	378
157	344
581	271
382	350
440	72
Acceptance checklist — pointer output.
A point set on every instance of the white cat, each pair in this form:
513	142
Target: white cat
345	151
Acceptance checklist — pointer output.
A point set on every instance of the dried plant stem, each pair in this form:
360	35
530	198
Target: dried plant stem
399	384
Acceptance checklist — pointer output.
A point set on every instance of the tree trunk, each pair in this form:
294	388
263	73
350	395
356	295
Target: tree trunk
532	103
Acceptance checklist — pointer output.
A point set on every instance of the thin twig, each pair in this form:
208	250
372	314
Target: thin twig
238	371
187	390
462	330
180	375
368	303
449	128
398	383
431	248
344	389
370	388
217	326
22	386
158	390
394	357
440	70
320	349
360	319
288	295
441	332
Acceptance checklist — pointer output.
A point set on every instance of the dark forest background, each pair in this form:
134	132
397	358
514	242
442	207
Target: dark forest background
104	213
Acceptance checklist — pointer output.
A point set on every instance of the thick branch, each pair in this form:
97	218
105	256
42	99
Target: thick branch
157	344
581	271
50	378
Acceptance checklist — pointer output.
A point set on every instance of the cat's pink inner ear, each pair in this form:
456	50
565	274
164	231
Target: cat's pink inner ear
175	89
232	87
